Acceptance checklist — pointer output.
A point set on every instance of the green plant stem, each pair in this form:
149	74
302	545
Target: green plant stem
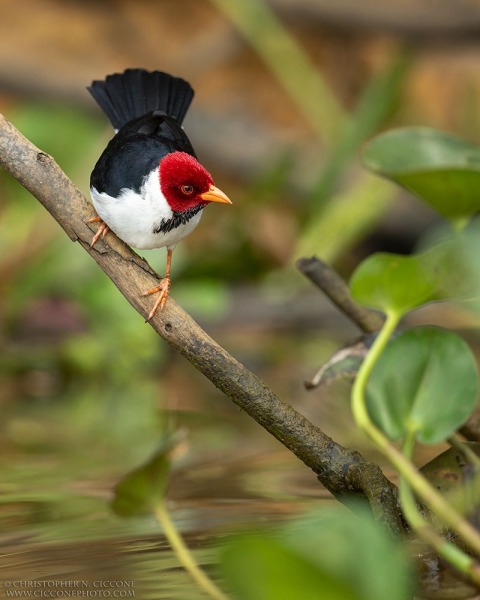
458	559
290	64
374	106
430	496
185	556
359	406
406	469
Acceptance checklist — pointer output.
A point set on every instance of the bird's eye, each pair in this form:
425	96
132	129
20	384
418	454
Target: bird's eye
187	189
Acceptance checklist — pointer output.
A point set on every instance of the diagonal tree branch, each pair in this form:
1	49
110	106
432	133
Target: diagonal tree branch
342	471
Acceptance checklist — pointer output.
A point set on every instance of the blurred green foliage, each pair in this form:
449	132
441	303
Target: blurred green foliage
78	371
329	554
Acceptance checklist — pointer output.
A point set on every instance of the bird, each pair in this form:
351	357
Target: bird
148	186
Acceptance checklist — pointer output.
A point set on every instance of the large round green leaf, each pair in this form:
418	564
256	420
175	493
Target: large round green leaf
351	546
263	567
441	169
331	554
394	283
425	383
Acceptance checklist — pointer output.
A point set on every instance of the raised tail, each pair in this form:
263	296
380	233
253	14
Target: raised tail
132	94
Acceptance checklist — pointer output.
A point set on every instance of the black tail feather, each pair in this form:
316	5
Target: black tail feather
132	94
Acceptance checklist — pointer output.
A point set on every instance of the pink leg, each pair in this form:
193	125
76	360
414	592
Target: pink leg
163	288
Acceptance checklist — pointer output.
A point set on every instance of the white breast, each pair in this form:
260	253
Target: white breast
133	216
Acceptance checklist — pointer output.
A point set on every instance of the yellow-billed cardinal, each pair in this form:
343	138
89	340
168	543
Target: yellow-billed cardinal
148	186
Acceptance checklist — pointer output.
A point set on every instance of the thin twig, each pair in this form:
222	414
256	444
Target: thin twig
333	286
342	471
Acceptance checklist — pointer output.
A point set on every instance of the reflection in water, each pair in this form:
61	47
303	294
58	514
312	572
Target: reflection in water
145	567
56	526
126	560
61	458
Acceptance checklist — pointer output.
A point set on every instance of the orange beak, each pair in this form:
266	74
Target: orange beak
215	195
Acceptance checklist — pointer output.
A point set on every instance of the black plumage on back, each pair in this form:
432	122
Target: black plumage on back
135	150
135	92
147	109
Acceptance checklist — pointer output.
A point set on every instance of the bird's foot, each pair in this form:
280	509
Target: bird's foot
163	288
102	230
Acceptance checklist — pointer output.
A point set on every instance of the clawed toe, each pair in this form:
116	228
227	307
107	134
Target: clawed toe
102	230
163	289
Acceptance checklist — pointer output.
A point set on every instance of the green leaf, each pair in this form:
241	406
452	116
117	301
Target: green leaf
394	283
330	554
262	567
350	546
139	492
451	262
424	383
448	269
455	261
441	169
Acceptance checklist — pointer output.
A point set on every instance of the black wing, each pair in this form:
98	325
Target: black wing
136	150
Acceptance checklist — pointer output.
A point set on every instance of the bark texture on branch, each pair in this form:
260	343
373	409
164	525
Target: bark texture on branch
340	470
